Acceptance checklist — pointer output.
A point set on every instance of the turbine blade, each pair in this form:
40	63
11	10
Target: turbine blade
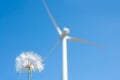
51	17
82	41
51	51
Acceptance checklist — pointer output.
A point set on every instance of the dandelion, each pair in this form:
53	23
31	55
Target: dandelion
29	61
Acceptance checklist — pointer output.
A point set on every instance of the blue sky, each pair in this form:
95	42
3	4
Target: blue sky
25	26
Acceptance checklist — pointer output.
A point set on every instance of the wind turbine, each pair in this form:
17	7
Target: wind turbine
64	37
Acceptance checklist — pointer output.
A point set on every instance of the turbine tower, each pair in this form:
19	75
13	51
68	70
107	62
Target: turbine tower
64	37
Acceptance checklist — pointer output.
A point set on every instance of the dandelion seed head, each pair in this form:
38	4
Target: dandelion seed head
29	59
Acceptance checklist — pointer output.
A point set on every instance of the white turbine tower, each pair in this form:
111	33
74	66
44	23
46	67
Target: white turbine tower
64	37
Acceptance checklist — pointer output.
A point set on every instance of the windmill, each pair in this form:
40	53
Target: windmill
64	37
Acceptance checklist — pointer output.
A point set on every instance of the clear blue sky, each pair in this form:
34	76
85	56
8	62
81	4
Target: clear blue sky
25	26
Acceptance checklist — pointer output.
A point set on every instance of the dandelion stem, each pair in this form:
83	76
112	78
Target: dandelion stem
28	73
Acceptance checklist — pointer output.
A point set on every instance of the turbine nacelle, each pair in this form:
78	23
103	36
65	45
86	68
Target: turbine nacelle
65	31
